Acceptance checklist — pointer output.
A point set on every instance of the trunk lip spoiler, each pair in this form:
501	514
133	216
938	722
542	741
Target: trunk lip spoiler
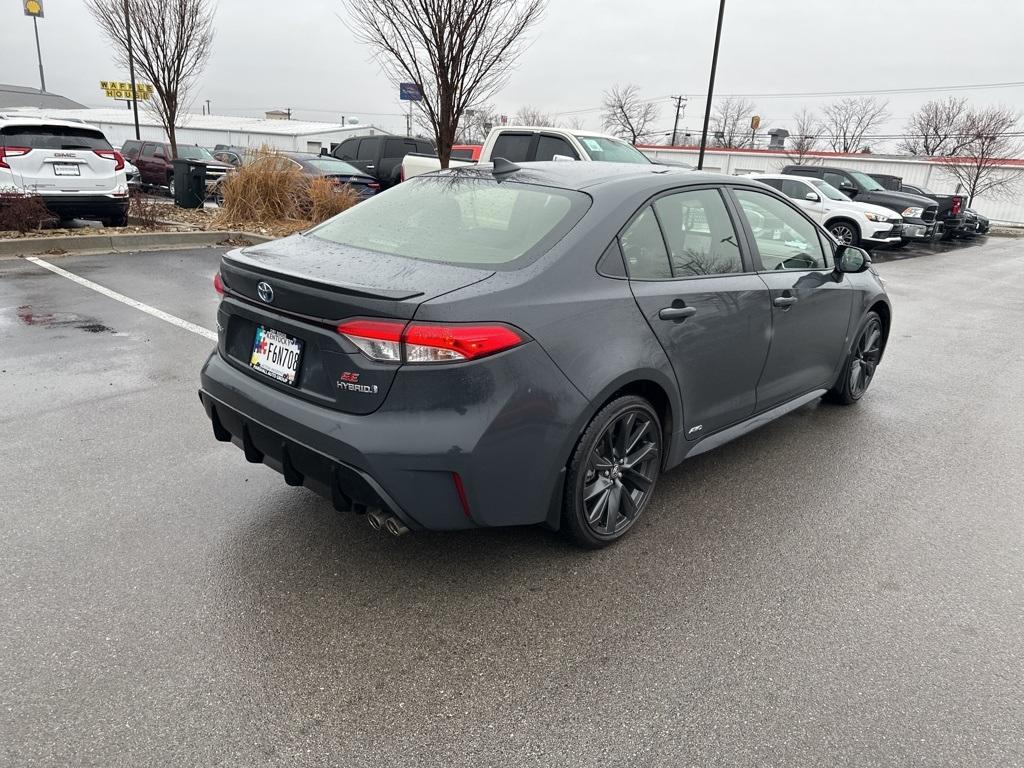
355	289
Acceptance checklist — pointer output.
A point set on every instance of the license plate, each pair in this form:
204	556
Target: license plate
276	355
66	169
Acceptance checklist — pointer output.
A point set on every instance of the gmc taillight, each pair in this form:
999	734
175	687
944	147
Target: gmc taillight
218	283
957	203
112	154
396	341
6	152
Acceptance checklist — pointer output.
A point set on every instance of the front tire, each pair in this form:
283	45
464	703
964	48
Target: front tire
861	363
846	232
612	473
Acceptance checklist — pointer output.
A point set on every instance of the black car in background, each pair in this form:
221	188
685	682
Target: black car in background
919	213
952	208
310	164
381	156
534	344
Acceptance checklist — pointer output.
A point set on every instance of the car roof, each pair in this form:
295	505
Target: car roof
570	131
791	176
589	175
9	119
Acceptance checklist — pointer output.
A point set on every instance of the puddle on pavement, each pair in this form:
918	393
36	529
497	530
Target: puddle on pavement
28	316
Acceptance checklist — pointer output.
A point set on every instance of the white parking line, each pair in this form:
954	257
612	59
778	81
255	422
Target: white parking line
158	313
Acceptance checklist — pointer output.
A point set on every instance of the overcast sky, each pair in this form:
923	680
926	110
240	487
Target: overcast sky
271	55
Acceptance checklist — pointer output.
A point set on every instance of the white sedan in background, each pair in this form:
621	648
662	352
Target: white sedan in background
850	222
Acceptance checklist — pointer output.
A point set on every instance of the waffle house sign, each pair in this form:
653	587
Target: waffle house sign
117	90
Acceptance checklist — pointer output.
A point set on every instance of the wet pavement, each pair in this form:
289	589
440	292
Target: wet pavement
841	587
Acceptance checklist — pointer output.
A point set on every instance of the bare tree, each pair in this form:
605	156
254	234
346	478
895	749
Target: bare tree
937	128
805	137
628	116
730	122
476	124
575	123
459	52
530	115
989	138
171	44
846	122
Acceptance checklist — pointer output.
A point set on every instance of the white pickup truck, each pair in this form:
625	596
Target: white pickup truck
523	144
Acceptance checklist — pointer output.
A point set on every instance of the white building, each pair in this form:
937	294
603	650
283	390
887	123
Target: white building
211	130
925	172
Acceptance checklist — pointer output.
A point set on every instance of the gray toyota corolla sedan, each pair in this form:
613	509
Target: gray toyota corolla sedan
517	345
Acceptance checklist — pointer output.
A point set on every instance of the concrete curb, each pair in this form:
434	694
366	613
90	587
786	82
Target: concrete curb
121	243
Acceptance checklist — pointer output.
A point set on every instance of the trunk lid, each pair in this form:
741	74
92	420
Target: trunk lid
313	285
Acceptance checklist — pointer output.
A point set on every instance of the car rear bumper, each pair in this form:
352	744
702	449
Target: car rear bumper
71	205
503	424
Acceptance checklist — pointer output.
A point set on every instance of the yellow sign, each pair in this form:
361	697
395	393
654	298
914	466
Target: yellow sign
118	90
33	8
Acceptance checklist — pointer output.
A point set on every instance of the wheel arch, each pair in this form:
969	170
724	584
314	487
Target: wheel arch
650	384
885	314
845	218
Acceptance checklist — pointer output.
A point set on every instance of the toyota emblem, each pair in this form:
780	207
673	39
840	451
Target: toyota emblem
266	292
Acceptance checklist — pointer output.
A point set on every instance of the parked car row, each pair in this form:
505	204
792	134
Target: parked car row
957	218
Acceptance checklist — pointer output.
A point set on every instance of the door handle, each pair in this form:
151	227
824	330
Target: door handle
677	313
784	301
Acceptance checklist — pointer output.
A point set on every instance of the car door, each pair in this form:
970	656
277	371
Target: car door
806	197
150	167
701	297
811	304
366	155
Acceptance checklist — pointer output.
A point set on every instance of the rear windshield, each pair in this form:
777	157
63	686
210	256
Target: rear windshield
52	137
612	150
462	154
460	218
330	165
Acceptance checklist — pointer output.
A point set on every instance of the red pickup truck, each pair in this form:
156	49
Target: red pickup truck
153	159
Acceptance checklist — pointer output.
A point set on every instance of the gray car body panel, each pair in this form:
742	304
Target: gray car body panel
508	423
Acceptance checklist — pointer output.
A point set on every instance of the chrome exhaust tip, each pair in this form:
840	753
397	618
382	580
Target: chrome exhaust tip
376	518
394	526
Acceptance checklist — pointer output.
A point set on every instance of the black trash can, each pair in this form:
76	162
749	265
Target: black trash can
189	183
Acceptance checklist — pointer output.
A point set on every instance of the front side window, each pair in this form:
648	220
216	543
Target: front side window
459	219
700	236
347	149
367	150
867	182
796	190
549	146
644	248
150	150
837	180
194	153
784	238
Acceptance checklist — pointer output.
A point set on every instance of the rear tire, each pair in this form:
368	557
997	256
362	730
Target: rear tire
612	473
121	220
861	362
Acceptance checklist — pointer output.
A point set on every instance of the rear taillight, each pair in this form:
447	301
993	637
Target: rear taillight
375	186
6	152
394	341
218	284
112	154
957	202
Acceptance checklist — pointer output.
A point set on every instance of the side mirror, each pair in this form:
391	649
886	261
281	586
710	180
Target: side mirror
850	191
813	197
563	159
851	259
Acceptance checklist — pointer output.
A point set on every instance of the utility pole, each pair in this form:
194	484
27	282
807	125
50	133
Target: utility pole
680	101
131	66
39	53
711	87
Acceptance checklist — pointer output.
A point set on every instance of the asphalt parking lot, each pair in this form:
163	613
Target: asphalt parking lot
841	587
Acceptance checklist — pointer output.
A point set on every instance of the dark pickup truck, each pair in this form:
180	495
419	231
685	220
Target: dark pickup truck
952	208
919	223
381	156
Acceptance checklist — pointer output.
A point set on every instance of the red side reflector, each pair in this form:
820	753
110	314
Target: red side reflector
462	494
218	283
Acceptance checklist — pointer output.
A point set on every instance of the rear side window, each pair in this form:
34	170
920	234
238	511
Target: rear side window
462	154
459	219
644	248
514	147
53	137
700	236
549	146
398	147
367	150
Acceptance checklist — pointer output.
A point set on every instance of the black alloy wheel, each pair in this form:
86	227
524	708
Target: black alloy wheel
861	364
613	472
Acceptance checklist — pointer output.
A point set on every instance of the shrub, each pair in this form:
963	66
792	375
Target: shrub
270	189
143	209
22	212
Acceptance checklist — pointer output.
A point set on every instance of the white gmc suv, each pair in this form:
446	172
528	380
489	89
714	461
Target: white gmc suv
69	164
